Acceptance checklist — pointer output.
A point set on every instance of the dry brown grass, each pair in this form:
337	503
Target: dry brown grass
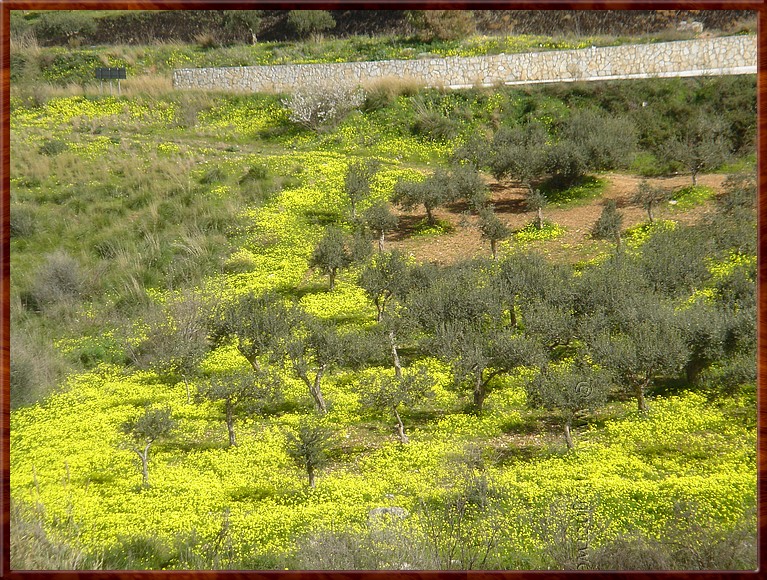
394	86
147	85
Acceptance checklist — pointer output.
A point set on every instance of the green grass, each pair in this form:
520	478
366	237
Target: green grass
530	233
588	188
691	196
423	228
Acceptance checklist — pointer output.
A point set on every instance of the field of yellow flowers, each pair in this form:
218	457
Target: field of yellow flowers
123	184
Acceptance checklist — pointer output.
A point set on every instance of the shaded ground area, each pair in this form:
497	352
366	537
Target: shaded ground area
507	197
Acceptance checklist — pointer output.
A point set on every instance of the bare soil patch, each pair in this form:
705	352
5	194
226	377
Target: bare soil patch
508	197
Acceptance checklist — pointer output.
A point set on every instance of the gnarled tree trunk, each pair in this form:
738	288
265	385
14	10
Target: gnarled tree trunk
316	391
395	356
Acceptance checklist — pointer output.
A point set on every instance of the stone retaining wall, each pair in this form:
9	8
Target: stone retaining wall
713	56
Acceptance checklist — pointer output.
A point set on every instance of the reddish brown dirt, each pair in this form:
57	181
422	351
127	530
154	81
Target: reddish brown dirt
465	241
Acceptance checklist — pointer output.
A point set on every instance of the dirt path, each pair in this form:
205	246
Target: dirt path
507	198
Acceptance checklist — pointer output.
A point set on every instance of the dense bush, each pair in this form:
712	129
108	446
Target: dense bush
306	22
64	25
442	24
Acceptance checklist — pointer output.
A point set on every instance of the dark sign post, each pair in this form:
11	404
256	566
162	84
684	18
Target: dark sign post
110	74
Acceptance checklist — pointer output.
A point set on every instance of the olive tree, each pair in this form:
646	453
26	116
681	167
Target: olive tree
433	192
388	392
648	197
309	448
178	338
257	322
357	182
536	201
521	277
248	19
705	329
649	344
380	220
315	347
569	389
467	184
675	261
605	141
241	393
492	229
520	153
387	276
144	430
701	144
608	225
331	254
464	324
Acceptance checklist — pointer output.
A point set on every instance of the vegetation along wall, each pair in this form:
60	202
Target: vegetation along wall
712	56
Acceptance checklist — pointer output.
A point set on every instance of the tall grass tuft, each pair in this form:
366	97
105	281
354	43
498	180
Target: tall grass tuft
32	548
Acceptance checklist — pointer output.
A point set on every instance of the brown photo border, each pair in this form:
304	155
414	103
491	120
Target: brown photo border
759	6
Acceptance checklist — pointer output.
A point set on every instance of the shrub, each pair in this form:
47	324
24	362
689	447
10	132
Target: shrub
60	278
213	175
739	193
306	22
19	25
52	147
58	25
142	553
442	24
434	125
255	172
206	40
323	106
23	221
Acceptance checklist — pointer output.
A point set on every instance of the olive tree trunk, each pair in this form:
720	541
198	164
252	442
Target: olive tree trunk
400	427
480	392
230	423
395	356
144	457
315	389
568	433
